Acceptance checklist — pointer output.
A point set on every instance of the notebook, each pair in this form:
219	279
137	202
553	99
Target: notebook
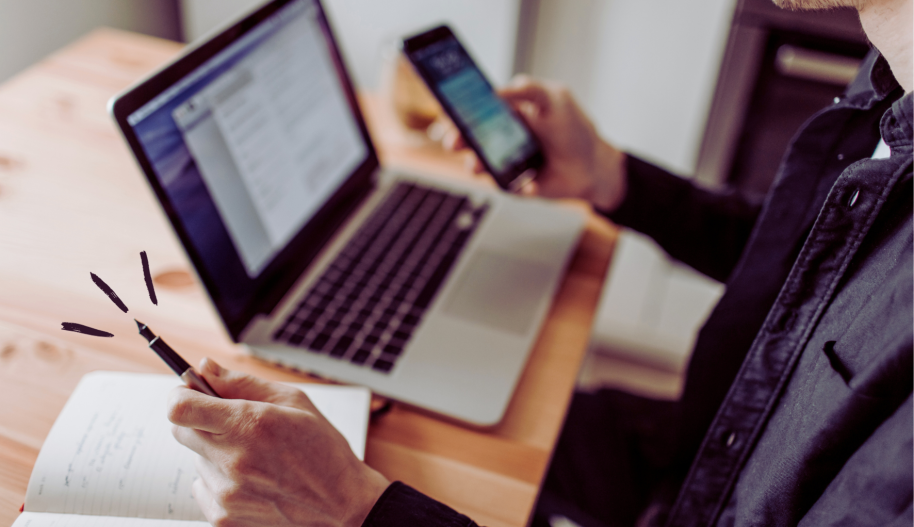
426	290
110	458
652	306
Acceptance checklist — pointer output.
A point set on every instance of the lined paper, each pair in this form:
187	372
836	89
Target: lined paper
111	451
44	519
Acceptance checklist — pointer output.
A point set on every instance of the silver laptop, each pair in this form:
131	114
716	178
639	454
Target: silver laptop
426	290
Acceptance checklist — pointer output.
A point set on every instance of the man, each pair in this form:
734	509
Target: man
798	402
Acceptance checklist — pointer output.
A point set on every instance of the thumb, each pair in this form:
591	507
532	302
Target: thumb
237	385
523	91
533	110
530	189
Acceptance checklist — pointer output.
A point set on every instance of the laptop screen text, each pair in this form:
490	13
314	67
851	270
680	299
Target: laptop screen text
264	136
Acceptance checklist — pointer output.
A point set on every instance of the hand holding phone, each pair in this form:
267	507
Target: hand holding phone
502	141
579	163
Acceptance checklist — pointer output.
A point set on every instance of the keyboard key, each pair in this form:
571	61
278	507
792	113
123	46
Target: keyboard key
389	273
320	342
341	347
360	356
383	365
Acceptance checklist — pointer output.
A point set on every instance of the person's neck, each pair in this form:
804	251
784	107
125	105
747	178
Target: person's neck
888	26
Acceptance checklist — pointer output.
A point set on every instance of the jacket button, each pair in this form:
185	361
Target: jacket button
853	199
840	157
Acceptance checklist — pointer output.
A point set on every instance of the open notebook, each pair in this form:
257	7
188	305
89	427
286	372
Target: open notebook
652	306
110	459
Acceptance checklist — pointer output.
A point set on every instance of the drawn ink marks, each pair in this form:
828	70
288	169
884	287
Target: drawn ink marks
108	291
86	330
148	278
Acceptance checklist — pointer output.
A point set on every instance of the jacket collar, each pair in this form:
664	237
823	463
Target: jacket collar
896	125
874	83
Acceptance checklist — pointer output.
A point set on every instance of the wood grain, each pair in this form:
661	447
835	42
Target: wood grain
72	201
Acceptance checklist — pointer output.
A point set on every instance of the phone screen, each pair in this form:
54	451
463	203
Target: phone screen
489	125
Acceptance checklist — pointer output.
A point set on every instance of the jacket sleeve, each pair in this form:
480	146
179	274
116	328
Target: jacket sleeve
706	230
402	505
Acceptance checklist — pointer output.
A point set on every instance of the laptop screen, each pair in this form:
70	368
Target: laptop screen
249	146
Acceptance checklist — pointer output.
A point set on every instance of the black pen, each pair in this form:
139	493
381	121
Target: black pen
175	362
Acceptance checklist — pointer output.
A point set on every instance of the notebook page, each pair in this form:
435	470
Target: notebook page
111	452
43	519
347	409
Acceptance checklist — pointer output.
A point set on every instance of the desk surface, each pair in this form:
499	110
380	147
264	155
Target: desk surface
72	202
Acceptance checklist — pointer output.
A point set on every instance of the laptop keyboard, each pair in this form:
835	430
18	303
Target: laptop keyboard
369	301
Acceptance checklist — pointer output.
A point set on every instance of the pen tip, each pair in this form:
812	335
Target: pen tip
139	324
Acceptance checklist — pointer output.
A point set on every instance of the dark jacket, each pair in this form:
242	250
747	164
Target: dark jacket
797	407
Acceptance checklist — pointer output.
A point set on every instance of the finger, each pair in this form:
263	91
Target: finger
208	471
528	91
192	409
207	502
478	167
192	439
452	140
440	128
237	385
472	163
530	189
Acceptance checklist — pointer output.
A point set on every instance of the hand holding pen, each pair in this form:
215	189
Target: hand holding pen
175	361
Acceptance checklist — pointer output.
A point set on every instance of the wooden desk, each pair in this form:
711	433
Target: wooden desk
72	202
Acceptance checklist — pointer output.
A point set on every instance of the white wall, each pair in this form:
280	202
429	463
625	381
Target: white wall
366	29
645	70
32	29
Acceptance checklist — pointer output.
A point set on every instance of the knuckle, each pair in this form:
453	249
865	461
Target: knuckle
221	519
301	400
245	419
255	419
230	495
180	409
235	467
263	415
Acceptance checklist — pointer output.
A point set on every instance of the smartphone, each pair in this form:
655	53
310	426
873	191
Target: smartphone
505	145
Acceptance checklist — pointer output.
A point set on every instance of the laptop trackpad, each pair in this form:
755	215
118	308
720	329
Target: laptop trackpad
499	291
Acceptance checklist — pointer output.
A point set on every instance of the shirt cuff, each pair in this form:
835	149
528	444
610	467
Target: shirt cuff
402	505
645	184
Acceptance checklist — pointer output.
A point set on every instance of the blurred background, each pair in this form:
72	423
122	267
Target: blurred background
711	89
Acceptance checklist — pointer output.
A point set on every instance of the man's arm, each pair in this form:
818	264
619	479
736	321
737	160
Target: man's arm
268	457
402	505
704	229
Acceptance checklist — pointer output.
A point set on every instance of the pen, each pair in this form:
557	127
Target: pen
175	362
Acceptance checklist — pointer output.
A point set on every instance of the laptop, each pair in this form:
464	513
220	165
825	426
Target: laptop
426	290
